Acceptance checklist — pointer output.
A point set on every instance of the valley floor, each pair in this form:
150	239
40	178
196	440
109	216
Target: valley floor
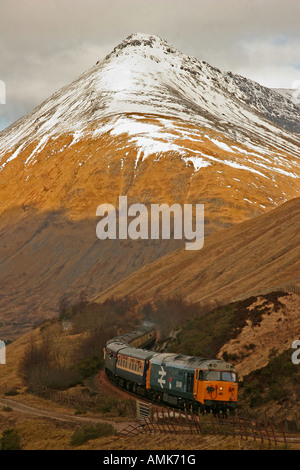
47	426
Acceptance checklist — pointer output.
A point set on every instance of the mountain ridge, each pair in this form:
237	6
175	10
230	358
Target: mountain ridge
157	129
135	49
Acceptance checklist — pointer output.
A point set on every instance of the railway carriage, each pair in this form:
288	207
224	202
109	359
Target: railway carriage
132	365
143	337
175	379
125	363
111	351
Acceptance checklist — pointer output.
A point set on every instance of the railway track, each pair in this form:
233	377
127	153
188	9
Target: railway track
104	383
165	419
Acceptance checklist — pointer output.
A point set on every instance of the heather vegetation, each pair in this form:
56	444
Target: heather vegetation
169	314
10	440
204	335
87	433
279	380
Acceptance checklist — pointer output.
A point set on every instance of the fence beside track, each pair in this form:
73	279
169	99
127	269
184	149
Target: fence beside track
154	419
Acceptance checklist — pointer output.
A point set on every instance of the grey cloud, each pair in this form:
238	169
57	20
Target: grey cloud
46	44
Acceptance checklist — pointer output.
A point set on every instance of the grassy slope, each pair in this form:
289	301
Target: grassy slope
48	243
249	257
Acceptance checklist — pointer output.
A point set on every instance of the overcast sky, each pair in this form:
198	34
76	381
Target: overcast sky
45	44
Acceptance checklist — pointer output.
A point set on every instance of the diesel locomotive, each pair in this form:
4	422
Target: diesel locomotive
175	379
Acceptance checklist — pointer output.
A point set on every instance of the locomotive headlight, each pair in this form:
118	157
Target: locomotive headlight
221	388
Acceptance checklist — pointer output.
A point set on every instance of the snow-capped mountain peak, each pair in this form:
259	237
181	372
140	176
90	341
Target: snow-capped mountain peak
164	101
145	74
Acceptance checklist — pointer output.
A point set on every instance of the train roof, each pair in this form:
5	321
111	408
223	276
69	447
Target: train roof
127	337
136	353
190	362
116	346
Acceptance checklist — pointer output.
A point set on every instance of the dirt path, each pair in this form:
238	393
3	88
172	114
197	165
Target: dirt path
59	416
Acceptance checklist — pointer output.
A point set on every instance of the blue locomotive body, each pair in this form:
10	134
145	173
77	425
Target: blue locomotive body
172	378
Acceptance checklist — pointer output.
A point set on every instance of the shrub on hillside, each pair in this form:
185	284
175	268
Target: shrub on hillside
273	382
10	440
40	367
86	433
89	366
47	363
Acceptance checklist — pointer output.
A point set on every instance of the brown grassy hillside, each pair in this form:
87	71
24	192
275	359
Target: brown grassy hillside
48	243
258	254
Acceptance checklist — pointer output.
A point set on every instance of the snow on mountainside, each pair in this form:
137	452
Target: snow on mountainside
291	94
146	75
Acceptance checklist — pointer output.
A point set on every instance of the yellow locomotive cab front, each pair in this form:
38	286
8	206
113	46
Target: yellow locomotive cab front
216	386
